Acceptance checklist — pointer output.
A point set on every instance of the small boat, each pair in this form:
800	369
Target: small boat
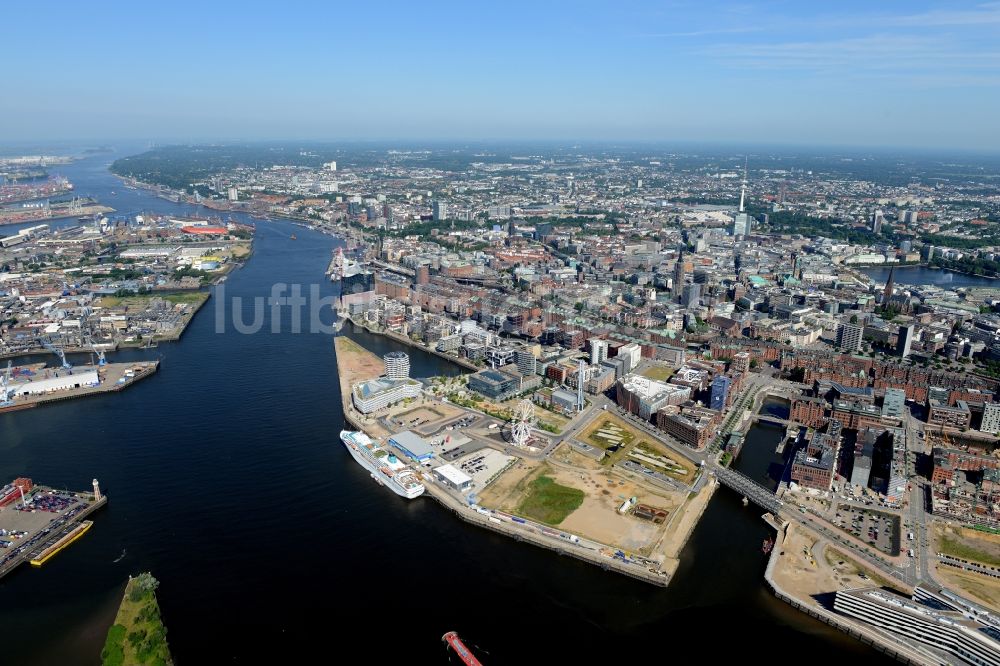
463	652
767	546
293	237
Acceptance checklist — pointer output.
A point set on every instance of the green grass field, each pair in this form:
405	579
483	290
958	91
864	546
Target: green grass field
186	297
660	373
956	548
138	635
548	502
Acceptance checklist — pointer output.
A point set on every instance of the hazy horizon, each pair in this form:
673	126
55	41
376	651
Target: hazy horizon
914	75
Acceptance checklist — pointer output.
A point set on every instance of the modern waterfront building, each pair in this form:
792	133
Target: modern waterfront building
375	394
397	365
894	402
954	630
494	384
849	336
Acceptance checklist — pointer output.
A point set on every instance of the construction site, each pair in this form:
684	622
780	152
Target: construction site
636	503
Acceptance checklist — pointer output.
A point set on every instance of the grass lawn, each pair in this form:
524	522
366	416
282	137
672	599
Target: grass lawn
186	297
142	302
348	345
964	551
548	502
613	428
660	373
138	635
976	586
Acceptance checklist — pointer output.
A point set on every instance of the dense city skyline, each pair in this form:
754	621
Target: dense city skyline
752	72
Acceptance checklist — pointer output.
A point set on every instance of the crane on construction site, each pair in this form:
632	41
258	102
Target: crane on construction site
58	351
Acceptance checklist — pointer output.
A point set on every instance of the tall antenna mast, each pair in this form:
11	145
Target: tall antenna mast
743	190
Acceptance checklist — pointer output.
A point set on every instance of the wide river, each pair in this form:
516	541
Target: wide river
228	482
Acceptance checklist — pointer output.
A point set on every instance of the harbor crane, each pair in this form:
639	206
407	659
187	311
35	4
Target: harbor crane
6	388
58	351
100	353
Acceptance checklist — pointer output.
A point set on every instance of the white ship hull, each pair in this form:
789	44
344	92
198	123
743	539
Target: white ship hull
400	481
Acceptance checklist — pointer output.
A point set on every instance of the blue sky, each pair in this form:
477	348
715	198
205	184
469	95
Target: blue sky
891	73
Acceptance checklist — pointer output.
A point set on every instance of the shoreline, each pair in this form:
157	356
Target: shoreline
631	568
874	639
402	339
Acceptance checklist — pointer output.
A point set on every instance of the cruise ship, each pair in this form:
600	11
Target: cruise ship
385	468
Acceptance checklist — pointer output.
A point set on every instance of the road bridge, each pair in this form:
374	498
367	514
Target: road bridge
775	420
749	488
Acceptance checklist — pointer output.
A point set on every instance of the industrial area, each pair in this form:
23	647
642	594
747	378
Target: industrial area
37	522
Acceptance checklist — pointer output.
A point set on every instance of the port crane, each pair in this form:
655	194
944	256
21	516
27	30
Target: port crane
58	351
100	353
6	388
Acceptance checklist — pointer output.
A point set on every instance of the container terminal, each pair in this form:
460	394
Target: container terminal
28	386
37	522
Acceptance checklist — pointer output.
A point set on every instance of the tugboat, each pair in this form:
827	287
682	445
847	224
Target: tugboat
767	546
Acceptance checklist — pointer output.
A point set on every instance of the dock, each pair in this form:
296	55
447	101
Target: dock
112	377
38	524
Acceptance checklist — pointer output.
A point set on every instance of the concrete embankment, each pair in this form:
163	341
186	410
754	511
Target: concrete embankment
349	364
114	377
402	339
811	607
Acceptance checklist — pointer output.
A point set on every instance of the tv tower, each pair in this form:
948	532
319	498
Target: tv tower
742	222
743	189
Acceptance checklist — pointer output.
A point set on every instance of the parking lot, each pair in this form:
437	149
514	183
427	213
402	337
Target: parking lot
484	465
22	525
879	530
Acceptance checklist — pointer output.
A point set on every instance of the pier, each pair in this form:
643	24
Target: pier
38	524
113	377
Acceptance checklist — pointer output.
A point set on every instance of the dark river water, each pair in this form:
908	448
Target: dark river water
919	275
228	482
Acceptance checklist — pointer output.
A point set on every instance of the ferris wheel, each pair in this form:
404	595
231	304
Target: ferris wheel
522	423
